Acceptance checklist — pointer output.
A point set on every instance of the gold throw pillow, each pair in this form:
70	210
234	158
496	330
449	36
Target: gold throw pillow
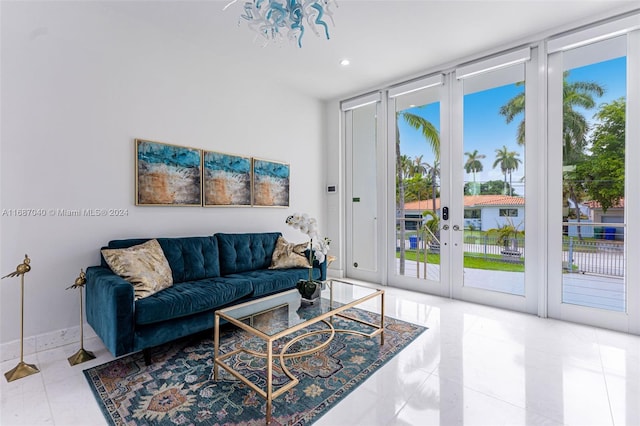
288	255
144	266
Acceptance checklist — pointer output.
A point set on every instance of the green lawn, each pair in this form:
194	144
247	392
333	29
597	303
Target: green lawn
471	262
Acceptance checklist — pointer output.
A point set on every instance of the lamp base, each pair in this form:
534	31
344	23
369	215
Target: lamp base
80	357
21	370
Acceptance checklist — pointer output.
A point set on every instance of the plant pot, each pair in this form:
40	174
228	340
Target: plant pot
310	290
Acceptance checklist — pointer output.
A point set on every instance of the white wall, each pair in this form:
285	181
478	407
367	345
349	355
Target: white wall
78	83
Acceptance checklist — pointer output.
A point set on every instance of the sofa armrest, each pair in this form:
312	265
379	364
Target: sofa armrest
323	268
110	309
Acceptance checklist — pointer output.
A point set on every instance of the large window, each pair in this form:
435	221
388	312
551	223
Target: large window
508	213
472	213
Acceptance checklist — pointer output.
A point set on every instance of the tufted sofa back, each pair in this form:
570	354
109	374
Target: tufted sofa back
245	252
190	258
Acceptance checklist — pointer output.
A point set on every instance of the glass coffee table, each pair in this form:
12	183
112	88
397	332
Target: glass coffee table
286	316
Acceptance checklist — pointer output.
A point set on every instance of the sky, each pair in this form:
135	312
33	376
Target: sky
486	130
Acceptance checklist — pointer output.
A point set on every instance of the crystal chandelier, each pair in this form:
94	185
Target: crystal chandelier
289	19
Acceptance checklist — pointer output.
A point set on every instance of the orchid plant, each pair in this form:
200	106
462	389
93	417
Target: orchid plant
318	246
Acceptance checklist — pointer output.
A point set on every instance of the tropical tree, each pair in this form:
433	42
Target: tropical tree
432	137
433	171
603	171
507	234
508	162
419	167
473	163
416	187
573	191
577	94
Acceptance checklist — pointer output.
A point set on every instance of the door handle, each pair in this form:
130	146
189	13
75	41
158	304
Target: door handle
445	227
456	228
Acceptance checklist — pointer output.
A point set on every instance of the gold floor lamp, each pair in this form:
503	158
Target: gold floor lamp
82	355
22	369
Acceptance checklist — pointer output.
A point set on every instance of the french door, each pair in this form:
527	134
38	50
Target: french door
510	181
492	184
459	165
594	180
418	176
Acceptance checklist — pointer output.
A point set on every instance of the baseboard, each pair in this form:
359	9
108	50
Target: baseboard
43	342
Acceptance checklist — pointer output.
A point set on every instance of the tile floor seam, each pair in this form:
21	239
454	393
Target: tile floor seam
44	388
604	378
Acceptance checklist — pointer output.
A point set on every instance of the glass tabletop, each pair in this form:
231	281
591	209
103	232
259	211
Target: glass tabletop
274	314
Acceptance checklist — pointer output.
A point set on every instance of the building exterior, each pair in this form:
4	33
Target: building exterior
614	214
481	212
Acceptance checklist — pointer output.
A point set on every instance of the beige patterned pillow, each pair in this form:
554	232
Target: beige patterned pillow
288	255
144	266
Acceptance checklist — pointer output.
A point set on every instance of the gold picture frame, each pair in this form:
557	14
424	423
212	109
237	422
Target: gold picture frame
270	183
167	175
226	180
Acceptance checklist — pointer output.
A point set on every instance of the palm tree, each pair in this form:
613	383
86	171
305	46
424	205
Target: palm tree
419	168
574	127
434	173
432	137
508	161
473	165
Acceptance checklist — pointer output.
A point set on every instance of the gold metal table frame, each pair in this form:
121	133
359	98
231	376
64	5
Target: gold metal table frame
327	318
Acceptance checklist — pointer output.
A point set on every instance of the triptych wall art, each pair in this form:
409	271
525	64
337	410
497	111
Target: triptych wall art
172	175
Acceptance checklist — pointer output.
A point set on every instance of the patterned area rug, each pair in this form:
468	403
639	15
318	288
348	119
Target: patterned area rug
178	388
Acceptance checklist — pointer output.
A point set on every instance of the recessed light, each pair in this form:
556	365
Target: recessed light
345	62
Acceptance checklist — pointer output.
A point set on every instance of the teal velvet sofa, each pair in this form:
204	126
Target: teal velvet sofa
209	273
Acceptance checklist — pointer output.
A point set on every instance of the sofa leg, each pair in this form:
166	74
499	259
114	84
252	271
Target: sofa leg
147	356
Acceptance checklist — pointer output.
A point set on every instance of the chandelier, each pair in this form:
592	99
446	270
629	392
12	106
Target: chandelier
288	19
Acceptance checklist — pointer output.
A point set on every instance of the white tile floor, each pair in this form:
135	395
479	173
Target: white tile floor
475	365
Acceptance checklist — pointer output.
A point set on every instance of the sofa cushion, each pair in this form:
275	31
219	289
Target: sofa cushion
190	298
267	281
190	258
289	255
245	252
143	265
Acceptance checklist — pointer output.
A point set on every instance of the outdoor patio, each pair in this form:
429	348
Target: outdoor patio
592	290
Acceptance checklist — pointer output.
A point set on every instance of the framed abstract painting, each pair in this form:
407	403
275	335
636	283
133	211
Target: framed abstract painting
270	183
226	180
167	175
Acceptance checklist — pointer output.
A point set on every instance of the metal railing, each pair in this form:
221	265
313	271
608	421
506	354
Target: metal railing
601	253
421	240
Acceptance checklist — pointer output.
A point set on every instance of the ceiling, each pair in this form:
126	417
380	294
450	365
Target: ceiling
386	41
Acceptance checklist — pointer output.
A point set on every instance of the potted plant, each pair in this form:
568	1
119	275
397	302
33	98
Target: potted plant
507	237
318	248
